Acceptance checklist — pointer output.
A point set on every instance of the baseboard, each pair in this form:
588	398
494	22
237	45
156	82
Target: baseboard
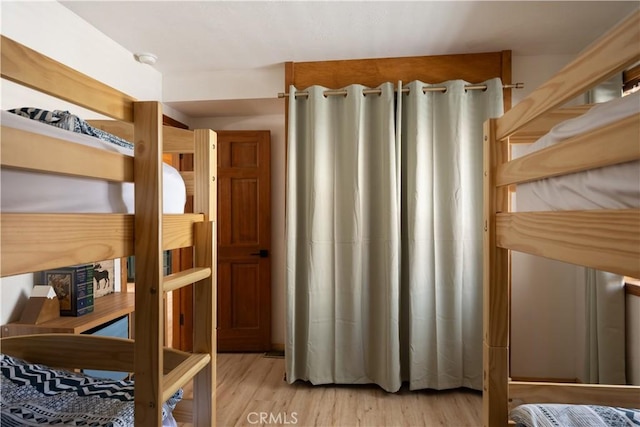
545	380
277	347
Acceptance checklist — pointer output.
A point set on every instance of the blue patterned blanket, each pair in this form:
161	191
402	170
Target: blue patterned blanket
35	395
559	415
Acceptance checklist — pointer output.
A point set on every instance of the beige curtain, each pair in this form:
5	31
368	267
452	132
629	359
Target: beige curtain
384	243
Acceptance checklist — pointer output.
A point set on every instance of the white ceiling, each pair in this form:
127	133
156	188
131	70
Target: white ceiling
231	35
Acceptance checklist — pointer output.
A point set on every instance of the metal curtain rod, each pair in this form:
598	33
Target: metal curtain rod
336	92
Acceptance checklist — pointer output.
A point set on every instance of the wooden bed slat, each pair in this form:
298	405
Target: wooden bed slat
179	376
176	230
188	178
585	238
533	131
616	143
120	129
98	352
585	394
36	242
27	67
176	140
610	54
47	154
184	278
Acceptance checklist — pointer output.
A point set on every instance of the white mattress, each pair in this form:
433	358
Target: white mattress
24	191
611	187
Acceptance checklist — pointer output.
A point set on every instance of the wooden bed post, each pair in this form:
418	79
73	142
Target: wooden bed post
495	288
204	305
149	324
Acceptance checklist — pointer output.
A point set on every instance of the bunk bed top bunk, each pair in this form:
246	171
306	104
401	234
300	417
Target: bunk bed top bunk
49	237
600	237
595	235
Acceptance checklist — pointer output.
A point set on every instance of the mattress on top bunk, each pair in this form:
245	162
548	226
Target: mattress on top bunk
35	395
27	191
554	415
611	187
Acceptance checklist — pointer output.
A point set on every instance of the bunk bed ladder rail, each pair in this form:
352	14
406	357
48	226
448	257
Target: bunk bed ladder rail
152	385
496	284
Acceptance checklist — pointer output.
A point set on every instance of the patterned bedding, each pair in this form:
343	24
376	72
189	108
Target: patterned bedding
66	120
35	395
559	415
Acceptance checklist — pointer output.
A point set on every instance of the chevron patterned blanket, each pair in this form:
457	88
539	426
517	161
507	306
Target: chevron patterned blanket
65	120
554	415
35	395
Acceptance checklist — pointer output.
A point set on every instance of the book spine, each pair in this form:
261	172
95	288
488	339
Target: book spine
84	289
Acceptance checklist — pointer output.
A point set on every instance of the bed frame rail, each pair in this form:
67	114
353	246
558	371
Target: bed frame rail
176	140
27	67
102	353
577	154
610	54
604	239
62	157
583	394
537	128
607	239
36	242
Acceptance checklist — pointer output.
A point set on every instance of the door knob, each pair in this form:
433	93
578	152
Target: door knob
262	253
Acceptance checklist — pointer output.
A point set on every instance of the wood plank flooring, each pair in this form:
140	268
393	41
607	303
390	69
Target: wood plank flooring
252	392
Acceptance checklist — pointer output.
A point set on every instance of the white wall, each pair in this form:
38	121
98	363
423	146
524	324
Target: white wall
274	123
543	291
533	71
257	83
53	30
633	339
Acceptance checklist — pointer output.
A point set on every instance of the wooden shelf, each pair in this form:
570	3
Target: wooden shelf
106	308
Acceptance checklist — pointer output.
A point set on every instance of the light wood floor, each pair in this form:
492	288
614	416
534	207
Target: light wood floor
251	384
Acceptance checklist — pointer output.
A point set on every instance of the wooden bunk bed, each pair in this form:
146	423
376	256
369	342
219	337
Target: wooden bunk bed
38	241
606	239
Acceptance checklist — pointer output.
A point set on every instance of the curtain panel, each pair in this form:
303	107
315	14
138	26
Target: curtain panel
343	239
442	238
384	243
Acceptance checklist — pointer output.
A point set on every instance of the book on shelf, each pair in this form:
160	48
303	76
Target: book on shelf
73	286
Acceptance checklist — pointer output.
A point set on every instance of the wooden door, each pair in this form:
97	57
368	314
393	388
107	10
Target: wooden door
244	241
